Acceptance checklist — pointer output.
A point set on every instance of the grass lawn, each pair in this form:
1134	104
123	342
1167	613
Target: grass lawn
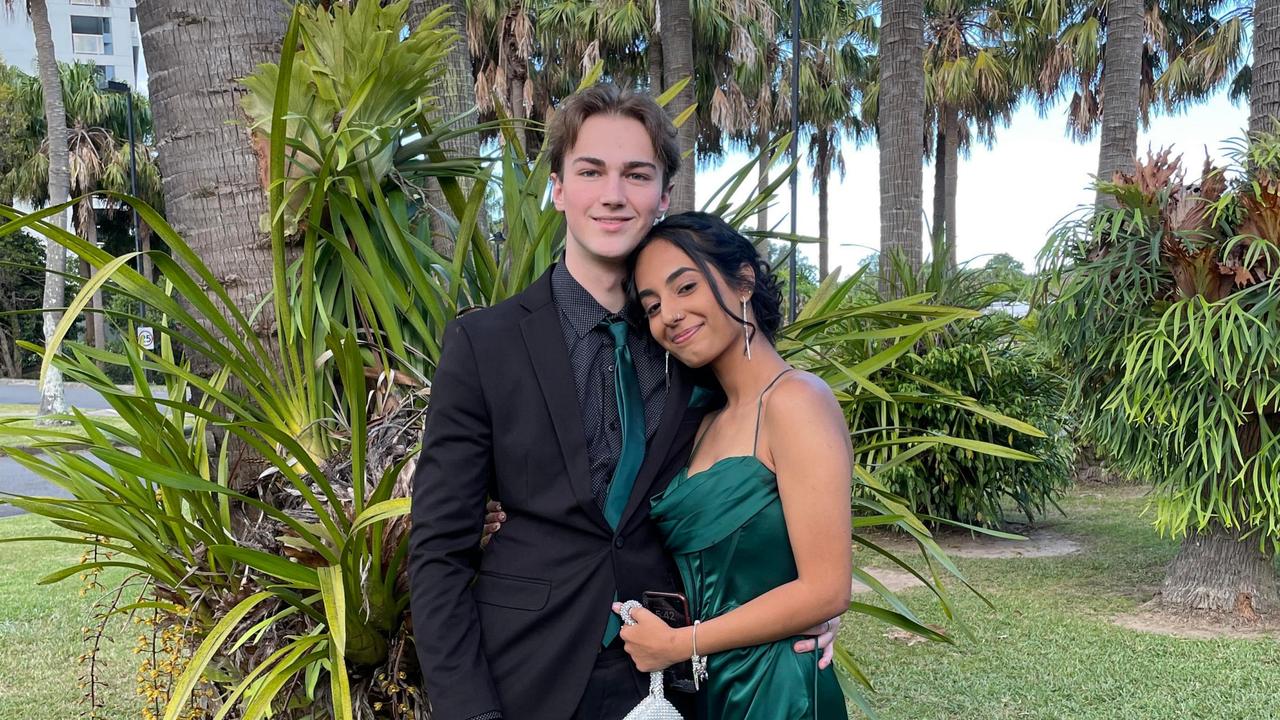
40	636
1049	650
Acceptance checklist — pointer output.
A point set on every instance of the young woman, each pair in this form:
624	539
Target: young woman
758	522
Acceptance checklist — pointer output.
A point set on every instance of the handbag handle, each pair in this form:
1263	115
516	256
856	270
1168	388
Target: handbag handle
655	678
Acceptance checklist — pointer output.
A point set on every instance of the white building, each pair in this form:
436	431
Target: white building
103	32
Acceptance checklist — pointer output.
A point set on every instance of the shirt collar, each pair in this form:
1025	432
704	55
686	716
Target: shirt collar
583	311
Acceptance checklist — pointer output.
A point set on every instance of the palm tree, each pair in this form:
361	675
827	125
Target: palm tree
833	69
968	82
213	174
528	54
59	178
456	92
1121	86
98	154
900	103
1185	52
500	35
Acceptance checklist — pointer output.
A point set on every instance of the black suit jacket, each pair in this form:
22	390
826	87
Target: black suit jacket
517	627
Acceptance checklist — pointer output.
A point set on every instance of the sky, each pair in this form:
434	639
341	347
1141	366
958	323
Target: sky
1009	197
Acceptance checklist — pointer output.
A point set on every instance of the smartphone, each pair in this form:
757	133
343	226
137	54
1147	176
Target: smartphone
673	608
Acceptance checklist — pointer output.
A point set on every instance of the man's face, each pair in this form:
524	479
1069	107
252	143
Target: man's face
610	189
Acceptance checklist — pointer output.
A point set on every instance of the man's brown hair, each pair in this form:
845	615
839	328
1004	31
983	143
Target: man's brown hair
608	99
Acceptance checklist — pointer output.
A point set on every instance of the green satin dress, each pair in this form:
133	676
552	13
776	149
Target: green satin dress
725	527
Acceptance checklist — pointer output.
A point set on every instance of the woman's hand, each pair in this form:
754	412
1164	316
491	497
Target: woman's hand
824	635
493	519
652	644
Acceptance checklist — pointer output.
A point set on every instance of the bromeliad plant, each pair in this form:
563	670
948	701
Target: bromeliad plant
1166	311
296	575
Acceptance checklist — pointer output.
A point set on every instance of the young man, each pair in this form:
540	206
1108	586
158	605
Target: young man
553	405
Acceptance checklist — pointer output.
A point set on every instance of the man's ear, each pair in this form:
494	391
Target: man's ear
557	192
665	202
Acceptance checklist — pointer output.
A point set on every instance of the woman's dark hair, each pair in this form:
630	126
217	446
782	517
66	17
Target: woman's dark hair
710	241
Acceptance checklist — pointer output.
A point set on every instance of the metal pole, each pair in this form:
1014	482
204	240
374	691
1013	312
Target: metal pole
133	183
794	295
133	190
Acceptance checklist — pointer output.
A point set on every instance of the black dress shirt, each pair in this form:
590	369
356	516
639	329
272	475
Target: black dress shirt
591	354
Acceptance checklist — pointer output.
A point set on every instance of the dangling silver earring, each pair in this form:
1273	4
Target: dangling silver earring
746	332
667	372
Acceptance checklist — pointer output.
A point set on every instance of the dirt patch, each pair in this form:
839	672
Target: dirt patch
1113	492
1192	625
1039	543
894	579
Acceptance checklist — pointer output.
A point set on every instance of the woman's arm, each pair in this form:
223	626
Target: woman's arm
808	444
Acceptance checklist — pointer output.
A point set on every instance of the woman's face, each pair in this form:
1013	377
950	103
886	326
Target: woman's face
677	300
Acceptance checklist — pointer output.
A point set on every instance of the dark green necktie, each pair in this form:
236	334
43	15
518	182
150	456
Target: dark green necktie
626	390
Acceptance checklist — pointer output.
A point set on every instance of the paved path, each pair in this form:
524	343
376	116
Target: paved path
15	478
27	392
18	480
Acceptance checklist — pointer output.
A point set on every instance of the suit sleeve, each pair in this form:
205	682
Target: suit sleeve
449	485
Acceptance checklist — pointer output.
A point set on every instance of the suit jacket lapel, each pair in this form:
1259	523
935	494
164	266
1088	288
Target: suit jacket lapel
655	456
544	339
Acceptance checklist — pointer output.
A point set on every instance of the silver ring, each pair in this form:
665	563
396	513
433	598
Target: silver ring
826	626
625	612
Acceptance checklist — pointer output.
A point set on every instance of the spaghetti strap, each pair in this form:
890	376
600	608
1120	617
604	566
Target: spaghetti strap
755	443
697	442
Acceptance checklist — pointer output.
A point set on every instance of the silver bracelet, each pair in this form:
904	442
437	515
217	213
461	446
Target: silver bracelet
699	662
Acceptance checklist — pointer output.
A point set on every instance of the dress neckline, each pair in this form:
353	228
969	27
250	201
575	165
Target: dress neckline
723	460
755	443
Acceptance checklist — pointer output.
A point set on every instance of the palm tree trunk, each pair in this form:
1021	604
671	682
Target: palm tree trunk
901	123
1216	570
762	177
95	327
1264	93
952	175
515	67
1121	83
677	57
939	219
1220	569
144	236
212	176
9	349
822	167
456	91
653	55
55	259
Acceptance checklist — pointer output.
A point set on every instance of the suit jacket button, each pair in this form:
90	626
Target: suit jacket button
618	542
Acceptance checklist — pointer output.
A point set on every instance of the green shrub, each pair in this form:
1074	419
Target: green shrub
958	484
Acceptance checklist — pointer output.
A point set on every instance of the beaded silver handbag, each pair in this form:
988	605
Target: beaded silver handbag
656	706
